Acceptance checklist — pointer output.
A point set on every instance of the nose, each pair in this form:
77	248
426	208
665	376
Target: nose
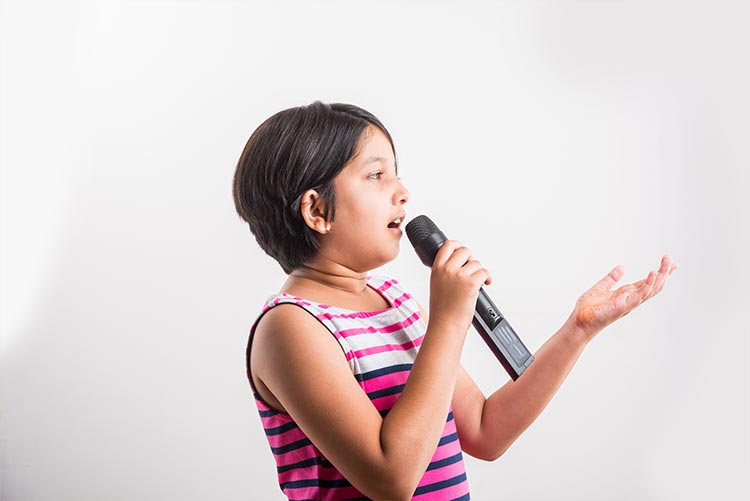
401	195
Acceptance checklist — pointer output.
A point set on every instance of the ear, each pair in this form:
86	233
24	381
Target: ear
312	207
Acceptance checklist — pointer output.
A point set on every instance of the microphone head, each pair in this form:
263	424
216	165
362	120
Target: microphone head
426	238
420	228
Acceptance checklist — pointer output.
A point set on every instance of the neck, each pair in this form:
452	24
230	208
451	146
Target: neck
330	275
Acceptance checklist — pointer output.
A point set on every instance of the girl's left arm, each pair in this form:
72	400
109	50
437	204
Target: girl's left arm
488	426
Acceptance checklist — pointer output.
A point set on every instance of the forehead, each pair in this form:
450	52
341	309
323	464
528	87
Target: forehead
374	147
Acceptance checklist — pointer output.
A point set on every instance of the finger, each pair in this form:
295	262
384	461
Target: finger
460	258
640	289
483	275
475	271
661	277
471	267
611	279
445	252
645	289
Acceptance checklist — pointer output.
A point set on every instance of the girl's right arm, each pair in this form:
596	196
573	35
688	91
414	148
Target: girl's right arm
302	366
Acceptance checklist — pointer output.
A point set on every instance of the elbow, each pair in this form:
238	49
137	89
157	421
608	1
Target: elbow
398	488
486	453
395	491
393	484
494	454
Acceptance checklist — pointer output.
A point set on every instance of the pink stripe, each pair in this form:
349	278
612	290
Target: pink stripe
359	330
353	314
315	493
409	345
386	285
450	428
290	458
401	299
285	438
385	403
275	420
450	471
445	451
297	455
296	474
316	472
397	326
362	314
262	405
386	381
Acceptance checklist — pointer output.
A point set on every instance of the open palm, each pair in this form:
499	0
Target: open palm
600	305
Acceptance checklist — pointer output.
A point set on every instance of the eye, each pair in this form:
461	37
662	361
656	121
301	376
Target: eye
376	175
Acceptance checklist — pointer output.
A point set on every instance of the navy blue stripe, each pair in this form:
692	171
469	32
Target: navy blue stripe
450	417
448	439
382	372
465	497
384	412
278	430
316	482
267	413
393	390
440	485
299	464
291	446
445	462
304	464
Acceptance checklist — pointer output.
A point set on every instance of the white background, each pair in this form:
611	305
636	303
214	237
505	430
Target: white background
557	139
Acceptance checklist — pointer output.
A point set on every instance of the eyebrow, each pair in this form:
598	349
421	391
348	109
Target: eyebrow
372	160
375	159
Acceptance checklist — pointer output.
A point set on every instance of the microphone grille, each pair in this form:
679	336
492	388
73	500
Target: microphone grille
419	228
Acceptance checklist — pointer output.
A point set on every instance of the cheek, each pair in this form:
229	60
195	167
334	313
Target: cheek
355	206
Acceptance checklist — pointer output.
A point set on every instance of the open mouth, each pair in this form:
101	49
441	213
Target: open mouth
396	223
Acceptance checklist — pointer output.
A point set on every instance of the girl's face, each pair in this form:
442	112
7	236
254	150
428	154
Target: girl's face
370	198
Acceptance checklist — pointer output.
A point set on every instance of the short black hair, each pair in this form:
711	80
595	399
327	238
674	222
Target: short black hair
293	151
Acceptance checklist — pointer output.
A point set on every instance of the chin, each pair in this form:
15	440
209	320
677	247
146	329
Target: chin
383	260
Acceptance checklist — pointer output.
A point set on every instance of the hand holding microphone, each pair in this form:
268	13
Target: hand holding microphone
427	240
454	285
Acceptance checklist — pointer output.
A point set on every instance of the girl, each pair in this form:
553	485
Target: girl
360	393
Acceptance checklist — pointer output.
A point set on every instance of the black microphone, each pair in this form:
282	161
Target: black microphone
426	238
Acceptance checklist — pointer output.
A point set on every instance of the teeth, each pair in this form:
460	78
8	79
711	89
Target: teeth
397	220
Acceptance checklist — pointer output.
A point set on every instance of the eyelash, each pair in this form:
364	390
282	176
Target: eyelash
376	176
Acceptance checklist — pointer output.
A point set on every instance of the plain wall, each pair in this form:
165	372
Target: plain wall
556	139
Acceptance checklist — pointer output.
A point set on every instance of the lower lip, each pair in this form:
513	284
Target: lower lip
398	230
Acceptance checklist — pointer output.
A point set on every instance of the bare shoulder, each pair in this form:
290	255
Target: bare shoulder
288	344
299	368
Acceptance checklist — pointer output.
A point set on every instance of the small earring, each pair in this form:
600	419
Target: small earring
328	228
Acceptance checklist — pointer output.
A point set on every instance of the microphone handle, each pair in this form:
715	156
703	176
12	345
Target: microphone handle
500	337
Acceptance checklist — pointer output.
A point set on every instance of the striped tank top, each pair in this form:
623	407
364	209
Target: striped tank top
380	347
